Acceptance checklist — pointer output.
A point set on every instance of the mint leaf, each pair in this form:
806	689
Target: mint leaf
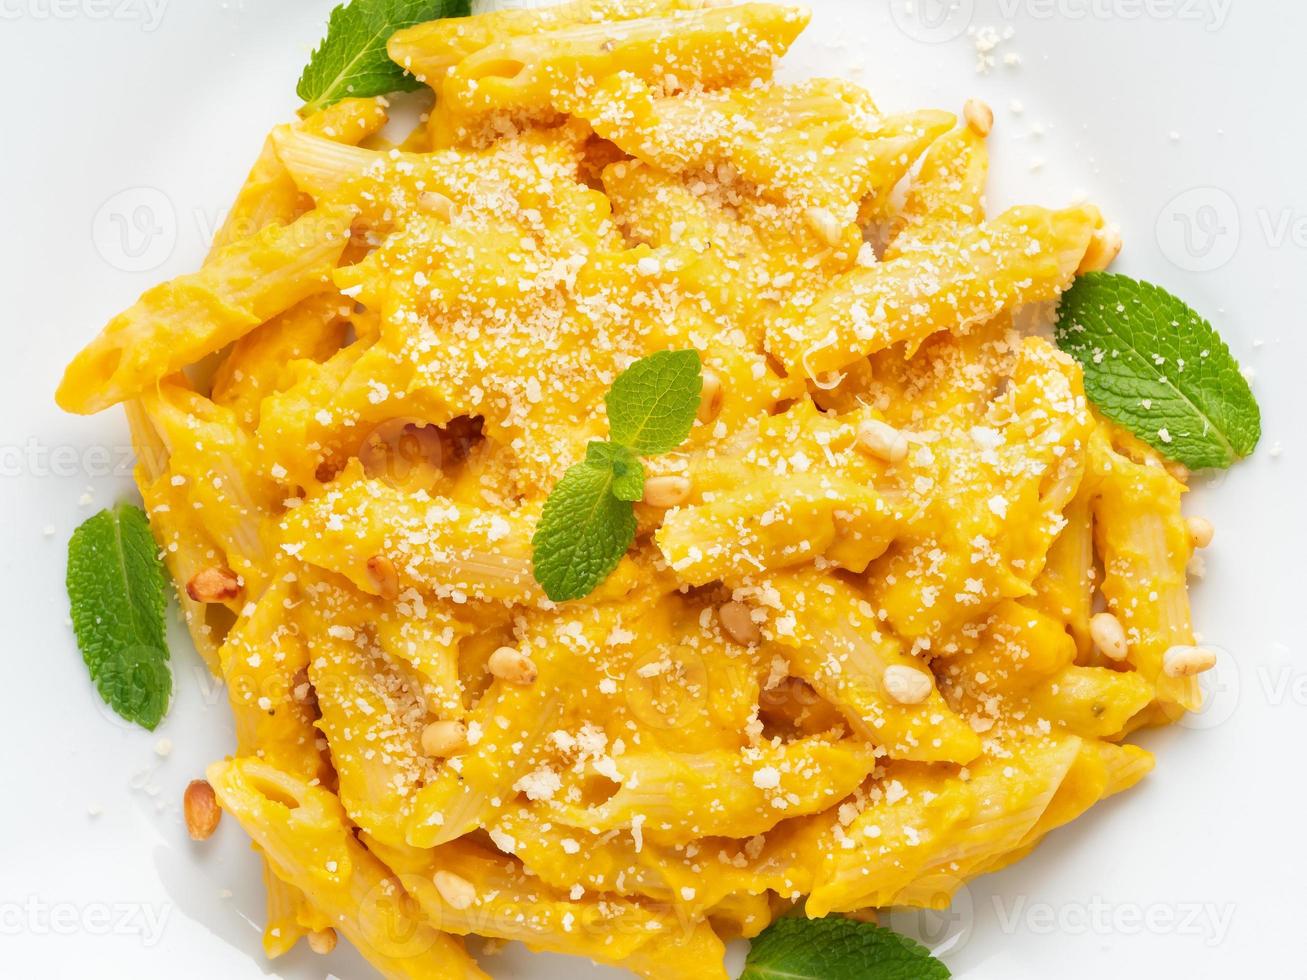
583	533
589	519
628	473
653	403
1157	368
837	949
351	61
116	585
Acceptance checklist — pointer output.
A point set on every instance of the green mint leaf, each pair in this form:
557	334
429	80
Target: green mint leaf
583	533
351	61
117	589
628	472
589	519
653	403
794	948
1157	368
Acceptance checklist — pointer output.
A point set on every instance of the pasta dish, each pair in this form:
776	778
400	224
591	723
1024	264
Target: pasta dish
892	609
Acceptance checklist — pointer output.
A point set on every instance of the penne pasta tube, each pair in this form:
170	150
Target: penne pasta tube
269	195
304	834
946	198
466	888
430	50
744	792
527	76
1141	536
356	526
1026	255
827	633
179	322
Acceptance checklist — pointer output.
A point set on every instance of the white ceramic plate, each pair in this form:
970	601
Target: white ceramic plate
128	125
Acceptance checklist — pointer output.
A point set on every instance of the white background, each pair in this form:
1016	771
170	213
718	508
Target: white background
127	127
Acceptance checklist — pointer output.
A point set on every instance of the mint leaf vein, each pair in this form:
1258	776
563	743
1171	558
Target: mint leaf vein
117	590
588	522
1157	368
351	61
794	948
653	403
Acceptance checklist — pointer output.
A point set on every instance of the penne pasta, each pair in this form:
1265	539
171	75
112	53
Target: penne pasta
180	322
523	641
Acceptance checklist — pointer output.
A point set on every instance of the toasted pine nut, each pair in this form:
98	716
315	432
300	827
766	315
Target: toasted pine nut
666	491
384	576
826	225
710	396
436	203
1108	635
907	685
213	584
458	893
1104	247
200	809
513	666
1184	661
301	689
322	941
442	739
979	116
882	441
737	619
1201	531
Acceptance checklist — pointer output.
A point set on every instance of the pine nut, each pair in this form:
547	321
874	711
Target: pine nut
907	685
710	396
979	116
200	809
826	225
1182	661
1201	531
882	441
1109	636
442	739
457	892
666	491
213	584
301	689
513	666
737	619
322	941
1104	247
384	576
436	203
